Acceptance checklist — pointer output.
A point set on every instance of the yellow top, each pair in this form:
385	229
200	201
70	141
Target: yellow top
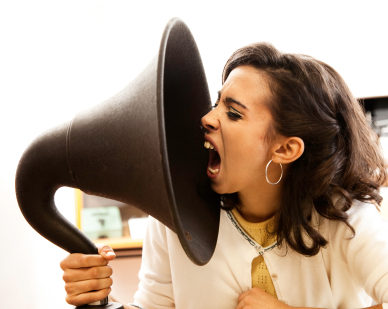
258	232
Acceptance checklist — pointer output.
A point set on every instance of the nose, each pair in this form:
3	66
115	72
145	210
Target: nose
210	121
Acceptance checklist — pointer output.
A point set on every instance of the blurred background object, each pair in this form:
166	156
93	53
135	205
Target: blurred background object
110	222
376	111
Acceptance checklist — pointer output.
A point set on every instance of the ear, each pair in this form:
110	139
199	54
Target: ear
287	149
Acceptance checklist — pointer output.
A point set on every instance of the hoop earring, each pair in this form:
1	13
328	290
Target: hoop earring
266	177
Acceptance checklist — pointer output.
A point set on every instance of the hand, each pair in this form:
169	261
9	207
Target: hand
256	298
87	277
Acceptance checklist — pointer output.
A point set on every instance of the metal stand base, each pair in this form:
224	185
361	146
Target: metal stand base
109	305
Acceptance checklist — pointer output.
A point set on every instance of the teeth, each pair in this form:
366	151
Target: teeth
213	171
208	145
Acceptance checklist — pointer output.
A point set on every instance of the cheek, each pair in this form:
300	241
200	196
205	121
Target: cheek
261	146
248	155
257	154
246	148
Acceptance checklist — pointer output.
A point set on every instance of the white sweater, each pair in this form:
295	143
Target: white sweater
346	274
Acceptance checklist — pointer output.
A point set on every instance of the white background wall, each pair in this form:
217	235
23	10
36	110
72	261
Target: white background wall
59	57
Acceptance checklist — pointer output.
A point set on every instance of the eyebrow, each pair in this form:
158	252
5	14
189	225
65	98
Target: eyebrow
231	100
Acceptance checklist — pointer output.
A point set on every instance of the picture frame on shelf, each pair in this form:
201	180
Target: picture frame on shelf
110	222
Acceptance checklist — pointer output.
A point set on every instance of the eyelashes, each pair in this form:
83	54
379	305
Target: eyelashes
233	113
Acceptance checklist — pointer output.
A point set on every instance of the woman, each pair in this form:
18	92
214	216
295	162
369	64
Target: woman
298	170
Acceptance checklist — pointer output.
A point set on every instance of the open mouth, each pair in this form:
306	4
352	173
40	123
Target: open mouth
214	159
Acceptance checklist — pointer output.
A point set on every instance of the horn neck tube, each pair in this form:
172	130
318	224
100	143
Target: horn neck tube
42	170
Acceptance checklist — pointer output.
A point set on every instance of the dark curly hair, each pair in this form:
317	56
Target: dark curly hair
342	157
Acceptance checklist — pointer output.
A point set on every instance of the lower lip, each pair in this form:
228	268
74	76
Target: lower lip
210	175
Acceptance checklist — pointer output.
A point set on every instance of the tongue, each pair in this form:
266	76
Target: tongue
214	159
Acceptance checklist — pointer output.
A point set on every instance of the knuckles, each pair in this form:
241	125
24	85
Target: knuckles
256	290
83	261
71	301
67	277
95	272
82	299
100	272
99	284
94	276
74	288
92	285
78	260
69	288
73	275
78	290
249	299
64	264
109	271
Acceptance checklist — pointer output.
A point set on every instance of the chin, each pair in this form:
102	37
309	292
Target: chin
216	188
219	189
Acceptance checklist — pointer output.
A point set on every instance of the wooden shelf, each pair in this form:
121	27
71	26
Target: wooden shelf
120	242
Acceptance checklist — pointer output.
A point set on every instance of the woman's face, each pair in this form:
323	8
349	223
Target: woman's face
237	128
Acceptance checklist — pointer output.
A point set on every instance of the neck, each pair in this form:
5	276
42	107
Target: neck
260	205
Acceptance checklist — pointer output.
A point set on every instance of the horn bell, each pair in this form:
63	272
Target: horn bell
143	146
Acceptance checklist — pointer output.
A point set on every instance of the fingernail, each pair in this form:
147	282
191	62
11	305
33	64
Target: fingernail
110	253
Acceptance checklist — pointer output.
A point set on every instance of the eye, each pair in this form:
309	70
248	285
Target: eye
218	100
234	114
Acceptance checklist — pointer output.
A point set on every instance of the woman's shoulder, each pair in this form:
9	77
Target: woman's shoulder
364	213
364	218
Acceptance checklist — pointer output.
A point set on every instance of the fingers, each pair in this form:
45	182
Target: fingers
240	301
81	274
106	251
79	287
78	260
85	285
240	305
258	298
81	299
87	277
84	292
243	295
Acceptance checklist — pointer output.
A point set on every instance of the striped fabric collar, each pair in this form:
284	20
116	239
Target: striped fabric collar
260	250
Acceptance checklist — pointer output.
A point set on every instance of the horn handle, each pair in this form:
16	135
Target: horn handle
42	170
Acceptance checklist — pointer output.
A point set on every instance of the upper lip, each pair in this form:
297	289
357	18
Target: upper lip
211	142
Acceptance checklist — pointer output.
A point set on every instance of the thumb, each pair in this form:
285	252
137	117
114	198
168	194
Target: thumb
106	252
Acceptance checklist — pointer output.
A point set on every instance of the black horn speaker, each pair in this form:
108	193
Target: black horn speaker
143	147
